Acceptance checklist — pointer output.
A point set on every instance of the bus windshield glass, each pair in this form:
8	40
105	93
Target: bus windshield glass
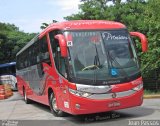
8	69
101	55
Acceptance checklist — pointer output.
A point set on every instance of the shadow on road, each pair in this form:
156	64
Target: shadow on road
112	116
119	115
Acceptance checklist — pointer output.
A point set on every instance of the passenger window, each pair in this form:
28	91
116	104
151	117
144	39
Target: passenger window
43	52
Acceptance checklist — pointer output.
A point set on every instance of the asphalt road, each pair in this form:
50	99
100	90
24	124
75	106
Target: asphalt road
14	111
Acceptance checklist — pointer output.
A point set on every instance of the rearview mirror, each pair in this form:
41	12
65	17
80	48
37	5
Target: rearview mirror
62	44
143	39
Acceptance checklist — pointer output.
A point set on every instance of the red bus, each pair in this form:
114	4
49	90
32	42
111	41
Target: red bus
82	67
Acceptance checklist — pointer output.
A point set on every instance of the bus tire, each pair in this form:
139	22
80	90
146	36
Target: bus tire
53	107
27	101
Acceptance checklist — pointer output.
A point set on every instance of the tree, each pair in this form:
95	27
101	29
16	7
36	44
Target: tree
44	25
151	26
11	41
137	15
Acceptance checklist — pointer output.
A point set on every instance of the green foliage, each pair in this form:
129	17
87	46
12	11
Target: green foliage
45	25
11	41
150	92
137	15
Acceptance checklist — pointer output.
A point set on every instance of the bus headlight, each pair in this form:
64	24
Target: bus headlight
139	87
79	93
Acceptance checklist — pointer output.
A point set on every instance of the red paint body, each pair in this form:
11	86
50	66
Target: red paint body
87	105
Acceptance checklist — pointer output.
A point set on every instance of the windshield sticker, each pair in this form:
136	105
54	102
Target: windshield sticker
114	72
69	43
109	36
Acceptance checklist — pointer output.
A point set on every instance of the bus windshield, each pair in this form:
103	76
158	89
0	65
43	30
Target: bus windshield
107	56
8	69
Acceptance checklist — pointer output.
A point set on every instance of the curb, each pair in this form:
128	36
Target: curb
151	96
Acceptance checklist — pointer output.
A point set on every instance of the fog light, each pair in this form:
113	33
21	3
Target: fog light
77	106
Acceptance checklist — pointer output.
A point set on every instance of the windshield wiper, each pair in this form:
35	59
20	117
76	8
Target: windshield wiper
111	58
96	63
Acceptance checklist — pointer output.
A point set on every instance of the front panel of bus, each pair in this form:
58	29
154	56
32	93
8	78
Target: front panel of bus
104	67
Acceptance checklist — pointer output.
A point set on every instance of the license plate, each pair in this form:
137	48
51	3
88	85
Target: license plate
114	104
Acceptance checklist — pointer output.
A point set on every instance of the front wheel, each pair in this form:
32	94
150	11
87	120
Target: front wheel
53	106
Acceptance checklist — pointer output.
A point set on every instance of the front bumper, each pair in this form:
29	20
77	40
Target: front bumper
88	106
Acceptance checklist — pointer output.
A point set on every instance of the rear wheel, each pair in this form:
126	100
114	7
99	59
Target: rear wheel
27	101
53	106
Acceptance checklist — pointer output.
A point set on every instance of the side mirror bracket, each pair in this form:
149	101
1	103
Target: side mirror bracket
143	39
62	44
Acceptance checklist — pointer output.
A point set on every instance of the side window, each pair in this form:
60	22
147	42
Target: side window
58	60
21	61
43	50
36	53
26	58
17	62
32	54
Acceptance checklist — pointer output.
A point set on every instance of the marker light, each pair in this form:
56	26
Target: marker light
139	87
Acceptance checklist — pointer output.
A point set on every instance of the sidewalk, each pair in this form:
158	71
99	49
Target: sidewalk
151	96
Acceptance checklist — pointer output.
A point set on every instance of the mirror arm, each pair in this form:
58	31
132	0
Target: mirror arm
143	39
62	44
